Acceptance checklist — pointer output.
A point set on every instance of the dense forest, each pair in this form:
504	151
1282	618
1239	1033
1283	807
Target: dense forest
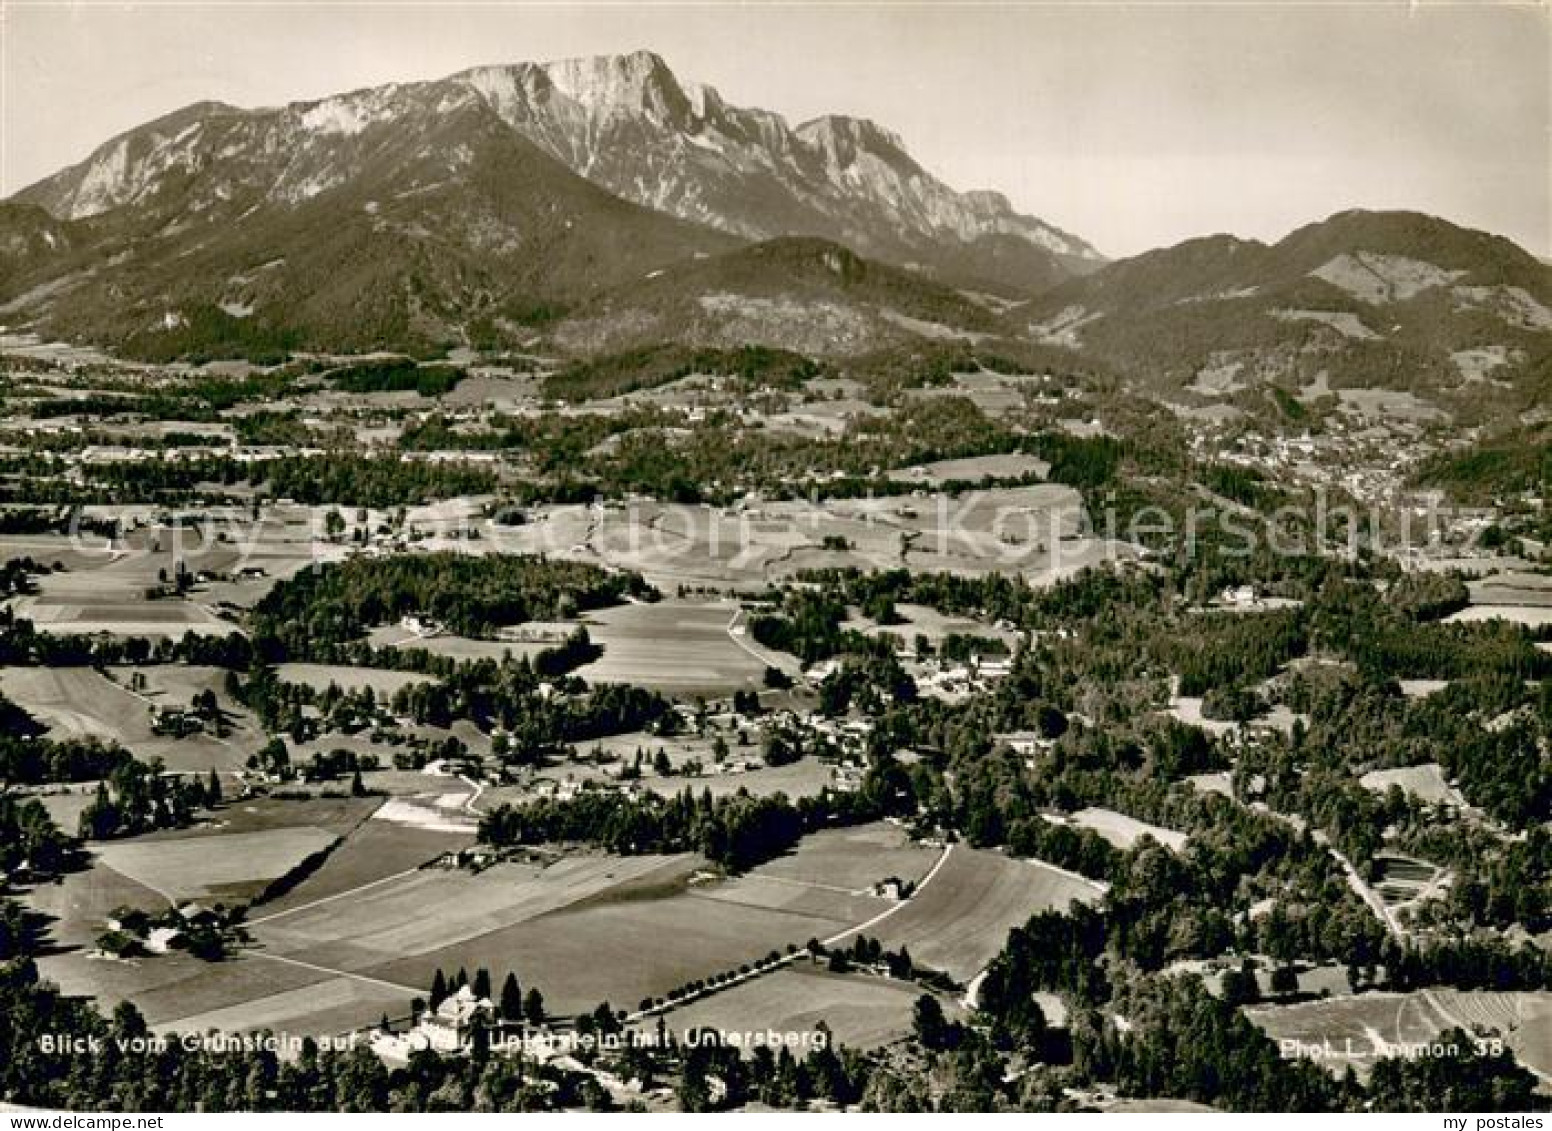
470	596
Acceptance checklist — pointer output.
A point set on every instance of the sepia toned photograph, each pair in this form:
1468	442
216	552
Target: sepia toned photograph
775	557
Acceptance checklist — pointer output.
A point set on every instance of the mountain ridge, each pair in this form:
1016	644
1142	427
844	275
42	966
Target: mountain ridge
630	125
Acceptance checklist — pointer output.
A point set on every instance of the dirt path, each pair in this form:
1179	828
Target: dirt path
469	802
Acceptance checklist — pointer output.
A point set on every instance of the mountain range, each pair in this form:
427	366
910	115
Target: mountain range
500	194
602	204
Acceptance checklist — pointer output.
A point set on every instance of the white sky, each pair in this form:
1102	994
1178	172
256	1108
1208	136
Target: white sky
1130	125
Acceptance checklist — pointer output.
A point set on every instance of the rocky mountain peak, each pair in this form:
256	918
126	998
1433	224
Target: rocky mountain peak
637	83
843	140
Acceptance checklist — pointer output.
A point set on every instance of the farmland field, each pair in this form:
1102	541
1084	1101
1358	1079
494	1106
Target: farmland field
72	609
374	851
962	918
1357	1030
674	646
370	926
802	778
319	676
163	861
1535	616
326	1006
995	394
66	803
103	588
79	905
1513	587
225	868
1031	530
454	647
172	986
444	813
1188	709
622	949
1220	783
862	1011
924	621
852	859
436	909
81	702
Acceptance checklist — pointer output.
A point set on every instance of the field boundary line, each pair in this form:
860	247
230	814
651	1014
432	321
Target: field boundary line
367	978
331	898
816	886
1375	902
793	911
1099	886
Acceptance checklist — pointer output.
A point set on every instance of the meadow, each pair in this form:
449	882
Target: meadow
961	919
861	1010
82	702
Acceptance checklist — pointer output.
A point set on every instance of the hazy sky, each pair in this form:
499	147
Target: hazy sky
1133	125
